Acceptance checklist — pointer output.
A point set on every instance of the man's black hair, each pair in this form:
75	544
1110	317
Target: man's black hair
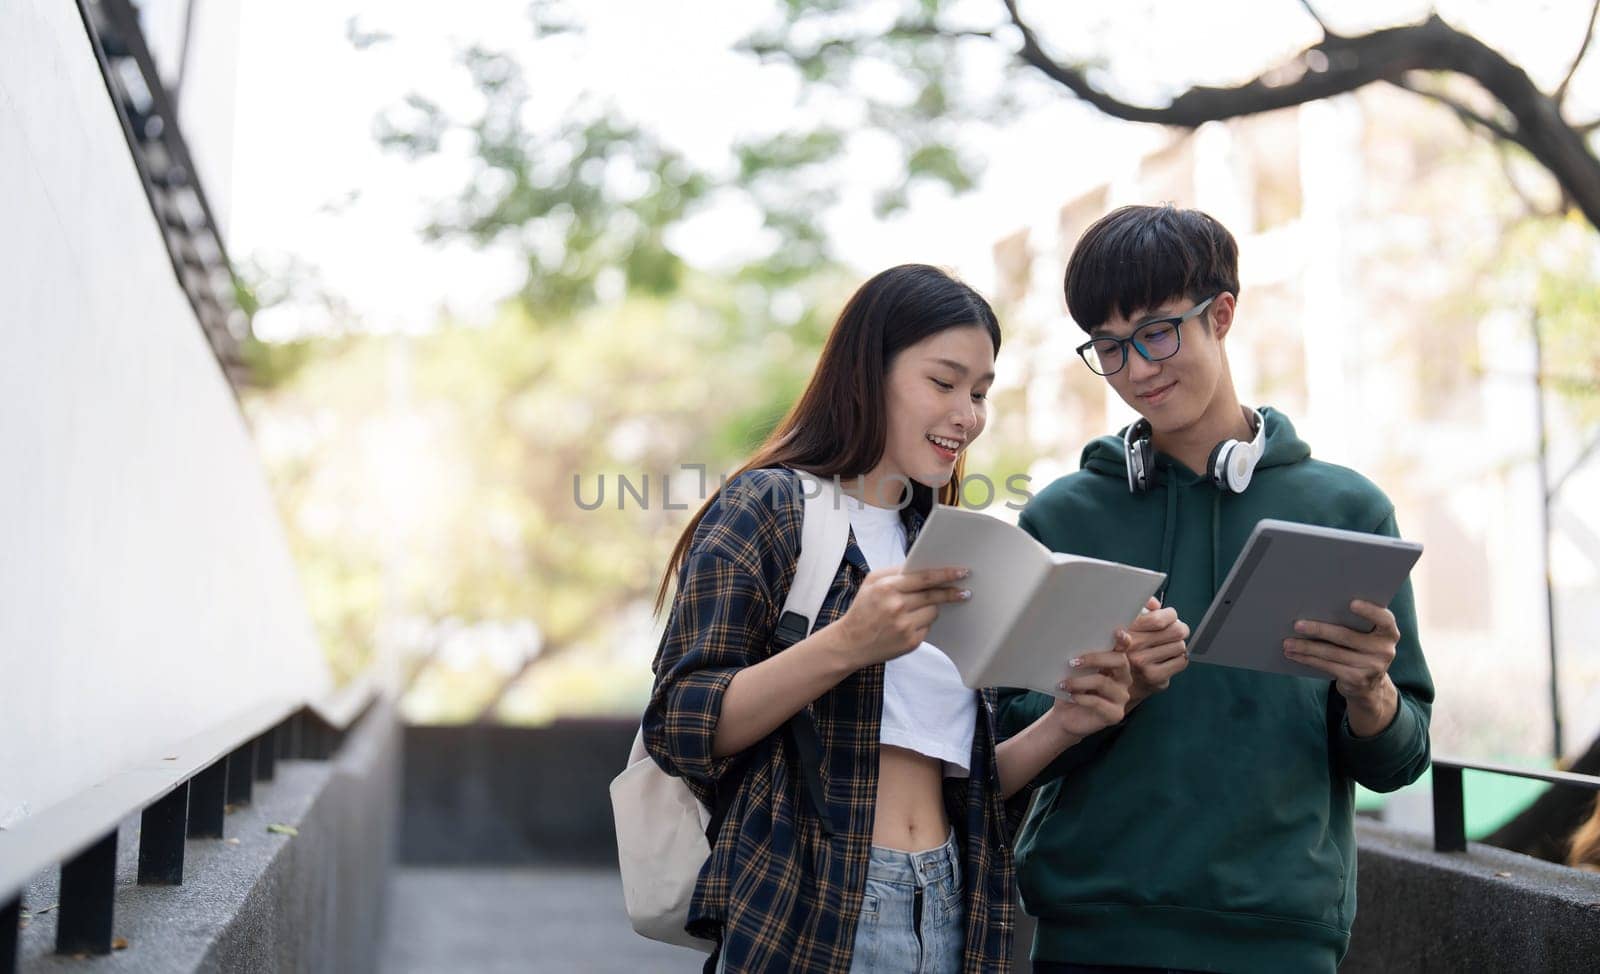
1136	257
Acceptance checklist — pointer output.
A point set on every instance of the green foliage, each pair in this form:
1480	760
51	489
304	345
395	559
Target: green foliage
908	69
1568	299
272	364
591	199
593	193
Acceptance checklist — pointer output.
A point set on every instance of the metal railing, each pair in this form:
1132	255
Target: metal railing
184	793
149	116
1449	805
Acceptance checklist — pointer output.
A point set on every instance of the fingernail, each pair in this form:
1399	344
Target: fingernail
1062	685
1300	627
1068	697
1076	662
963	573
966	594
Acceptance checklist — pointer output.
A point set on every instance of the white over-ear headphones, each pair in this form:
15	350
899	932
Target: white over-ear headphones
1139	455
1229	468
1233	462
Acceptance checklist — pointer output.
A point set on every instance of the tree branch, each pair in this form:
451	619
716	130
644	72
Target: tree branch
1326	33
1530	208
1350	63
1462	111
1338	65
923	28
1588	35
770	47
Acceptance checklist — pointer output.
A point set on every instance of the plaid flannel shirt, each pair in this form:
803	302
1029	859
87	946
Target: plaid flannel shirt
778	894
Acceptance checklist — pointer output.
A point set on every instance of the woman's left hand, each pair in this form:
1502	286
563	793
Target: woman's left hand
1099	684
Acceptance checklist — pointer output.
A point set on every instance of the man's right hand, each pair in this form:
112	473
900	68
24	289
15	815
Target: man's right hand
894	610
1154	644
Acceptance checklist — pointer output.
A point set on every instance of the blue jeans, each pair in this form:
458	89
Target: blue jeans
913	915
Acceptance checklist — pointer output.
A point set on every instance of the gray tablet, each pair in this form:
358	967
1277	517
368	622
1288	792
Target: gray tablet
1293	571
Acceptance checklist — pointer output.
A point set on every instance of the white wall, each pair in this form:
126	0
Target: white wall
146	591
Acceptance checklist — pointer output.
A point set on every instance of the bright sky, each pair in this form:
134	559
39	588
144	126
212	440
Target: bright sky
311	183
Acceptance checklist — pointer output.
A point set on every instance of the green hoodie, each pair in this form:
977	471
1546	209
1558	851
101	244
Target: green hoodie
1212	829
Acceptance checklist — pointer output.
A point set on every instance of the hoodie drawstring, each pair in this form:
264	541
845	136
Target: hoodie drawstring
1169	533
1216	534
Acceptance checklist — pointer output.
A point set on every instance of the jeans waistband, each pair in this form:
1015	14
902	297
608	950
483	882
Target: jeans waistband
916	868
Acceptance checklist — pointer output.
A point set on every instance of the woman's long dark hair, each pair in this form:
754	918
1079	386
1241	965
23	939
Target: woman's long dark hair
839	426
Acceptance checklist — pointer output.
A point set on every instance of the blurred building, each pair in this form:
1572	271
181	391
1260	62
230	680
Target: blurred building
1376	310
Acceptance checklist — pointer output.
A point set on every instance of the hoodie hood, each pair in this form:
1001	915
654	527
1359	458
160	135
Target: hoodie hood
1106	455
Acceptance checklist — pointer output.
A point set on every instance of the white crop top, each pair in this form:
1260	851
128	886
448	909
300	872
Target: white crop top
926	708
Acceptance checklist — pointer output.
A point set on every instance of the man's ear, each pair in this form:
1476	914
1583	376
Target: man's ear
1221	314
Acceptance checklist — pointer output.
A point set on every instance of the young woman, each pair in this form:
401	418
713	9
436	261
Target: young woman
913	870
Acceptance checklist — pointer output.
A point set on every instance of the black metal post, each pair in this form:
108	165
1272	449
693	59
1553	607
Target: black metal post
267	755
1544	534
88	885
1449	811
162	829
208	800
241	773
297	735
313	738
10	923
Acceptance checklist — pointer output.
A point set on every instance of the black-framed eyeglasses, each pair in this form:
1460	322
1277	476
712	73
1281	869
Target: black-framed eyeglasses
1154	340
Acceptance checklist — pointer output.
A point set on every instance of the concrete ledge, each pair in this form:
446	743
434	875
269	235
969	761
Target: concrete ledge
261	900
1482	910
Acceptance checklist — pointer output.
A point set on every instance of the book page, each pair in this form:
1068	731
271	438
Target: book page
1006	566
1077	608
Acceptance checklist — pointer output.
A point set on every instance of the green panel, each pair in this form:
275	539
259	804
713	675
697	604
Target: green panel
1491	799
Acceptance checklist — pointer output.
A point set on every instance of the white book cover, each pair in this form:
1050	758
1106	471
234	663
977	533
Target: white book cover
1031	609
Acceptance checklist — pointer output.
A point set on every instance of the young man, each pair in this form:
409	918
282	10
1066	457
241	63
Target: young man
1212	829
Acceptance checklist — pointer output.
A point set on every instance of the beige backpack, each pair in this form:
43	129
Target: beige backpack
661	826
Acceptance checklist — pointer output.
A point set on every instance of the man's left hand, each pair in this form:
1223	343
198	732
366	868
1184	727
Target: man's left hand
1358	663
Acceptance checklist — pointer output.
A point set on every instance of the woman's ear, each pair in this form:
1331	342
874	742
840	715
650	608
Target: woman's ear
1221	314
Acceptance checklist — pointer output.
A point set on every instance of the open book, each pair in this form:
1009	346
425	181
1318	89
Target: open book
1032	610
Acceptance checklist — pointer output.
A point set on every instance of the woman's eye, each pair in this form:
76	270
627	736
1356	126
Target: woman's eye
979	396
943	385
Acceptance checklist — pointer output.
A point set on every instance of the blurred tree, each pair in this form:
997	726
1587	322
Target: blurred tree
447	482
929	44
926	68
474	475
589	201
616	357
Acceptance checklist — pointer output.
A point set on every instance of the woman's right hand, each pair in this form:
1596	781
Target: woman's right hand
893	611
